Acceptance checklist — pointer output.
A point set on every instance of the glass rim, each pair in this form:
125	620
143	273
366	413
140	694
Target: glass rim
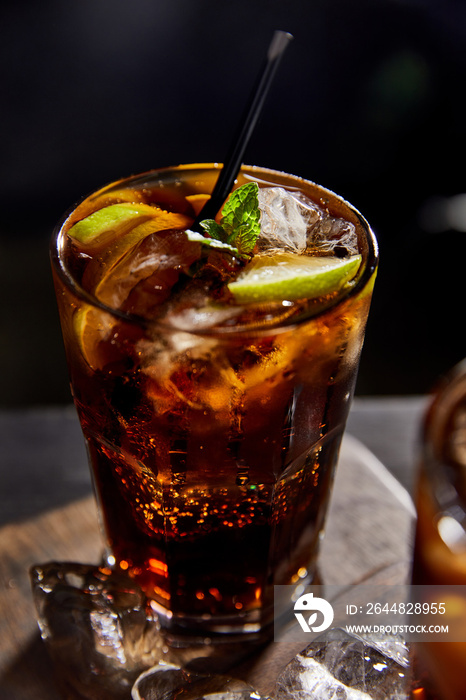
370	256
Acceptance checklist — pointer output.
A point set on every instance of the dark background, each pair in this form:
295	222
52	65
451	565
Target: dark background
369	101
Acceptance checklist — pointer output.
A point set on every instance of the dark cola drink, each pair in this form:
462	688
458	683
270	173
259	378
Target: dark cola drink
213	420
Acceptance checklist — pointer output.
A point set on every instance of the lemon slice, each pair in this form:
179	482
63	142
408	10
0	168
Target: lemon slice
91	326
288	276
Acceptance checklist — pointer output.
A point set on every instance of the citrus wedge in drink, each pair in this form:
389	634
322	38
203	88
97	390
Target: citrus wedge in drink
288	276
107	235
91	327
100	227
110	226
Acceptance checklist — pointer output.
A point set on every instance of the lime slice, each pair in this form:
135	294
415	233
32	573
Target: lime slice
113	222
288	276
96	228
110	233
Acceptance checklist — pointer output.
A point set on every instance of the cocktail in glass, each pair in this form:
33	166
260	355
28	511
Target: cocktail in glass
213	415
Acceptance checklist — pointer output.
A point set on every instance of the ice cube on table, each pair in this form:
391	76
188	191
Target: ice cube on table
292	222
347	667
96	628
171	682
102	635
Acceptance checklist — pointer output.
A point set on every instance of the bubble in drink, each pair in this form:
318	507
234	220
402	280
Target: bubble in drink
213	423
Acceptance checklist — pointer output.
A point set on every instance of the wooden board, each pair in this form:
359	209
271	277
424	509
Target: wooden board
368	538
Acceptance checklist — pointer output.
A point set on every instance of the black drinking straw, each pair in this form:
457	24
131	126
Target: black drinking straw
232	163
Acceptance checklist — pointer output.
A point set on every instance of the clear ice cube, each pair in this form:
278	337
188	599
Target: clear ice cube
143	278
340	666
292	222
333	235
102	634
285	219
97	630
170	682
195	319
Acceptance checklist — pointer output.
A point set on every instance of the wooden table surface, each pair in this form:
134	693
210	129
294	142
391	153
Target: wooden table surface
47	512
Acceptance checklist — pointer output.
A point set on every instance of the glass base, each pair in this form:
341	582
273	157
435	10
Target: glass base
255	627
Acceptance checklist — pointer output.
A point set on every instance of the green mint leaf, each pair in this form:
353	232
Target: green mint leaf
239	226
214	230
241	217
243	240
211	242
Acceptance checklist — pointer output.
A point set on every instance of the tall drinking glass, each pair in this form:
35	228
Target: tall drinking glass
213	427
